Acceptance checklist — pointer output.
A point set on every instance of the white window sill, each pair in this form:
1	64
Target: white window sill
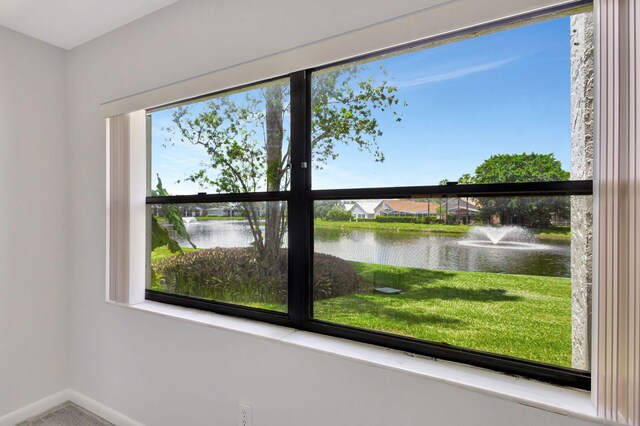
544	396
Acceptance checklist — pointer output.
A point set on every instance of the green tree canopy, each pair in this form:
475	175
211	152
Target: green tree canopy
516	168
322	207
338	213
467	179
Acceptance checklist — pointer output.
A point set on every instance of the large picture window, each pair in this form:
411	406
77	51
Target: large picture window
434	199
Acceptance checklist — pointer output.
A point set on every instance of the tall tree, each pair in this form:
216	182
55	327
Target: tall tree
248	145
517	168
467	179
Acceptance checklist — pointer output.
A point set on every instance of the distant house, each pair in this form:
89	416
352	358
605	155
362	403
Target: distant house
460	206
362	209
407	208
223	211
463	211
217	211
192	211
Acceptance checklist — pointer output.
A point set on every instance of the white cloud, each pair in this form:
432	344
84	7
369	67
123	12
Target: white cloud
456	73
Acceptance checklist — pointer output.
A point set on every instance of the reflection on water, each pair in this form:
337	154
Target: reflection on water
416	250
218	233
409	249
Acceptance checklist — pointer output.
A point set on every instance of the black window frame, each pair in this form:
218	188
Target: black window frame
300	198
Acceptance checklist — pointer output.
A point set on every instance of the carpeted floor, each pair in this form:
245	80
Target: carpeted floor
67	414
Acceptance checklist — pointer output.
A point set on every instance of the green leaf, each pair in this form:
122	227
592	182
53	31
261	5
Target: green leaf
159	234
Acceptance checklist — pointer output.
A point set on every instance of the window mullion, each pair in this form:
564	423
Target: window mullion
300	214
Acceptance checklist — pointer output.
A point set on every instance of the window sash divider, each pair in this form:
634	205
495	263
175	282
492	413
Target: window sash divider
558	188
573	187
221	198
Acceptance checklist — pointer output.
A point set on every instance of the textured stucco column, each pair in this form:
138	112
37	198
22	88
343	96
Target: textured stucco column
582	116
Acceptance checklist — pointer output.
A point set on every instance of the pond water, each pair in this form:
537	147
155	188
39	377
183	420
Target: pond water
409	249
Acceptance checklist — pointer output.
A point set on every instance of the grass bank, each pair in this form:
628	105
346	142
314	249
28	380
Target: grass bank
206	218
163	252
557	233
435	228
560	233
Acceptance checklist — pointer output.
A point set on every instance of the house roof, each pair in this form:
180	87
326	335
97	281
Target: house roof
369	206
411	206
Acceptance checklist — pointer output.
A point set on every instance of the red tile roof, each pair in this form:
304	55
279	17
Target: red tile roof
411	206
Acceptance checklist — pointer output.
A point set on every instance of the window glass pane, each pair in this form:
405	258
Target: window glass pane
491	274
228	252
229	143
452	112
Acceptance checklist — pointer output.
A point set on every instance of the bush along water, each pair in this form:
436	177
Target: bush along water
239	275
408	219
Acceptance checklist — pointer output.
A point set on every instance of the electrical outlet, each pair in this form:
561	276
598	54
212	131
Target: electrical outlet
244	414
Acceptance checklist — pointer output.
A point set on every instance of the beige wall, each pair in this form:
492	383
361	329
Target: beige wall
34	216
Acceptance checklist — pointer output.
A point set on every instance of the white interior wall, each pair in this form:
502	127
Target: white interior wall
33	214
161	371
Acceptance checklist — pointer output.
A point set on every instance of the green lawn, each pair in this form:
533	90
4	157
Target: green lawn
522	316
558	233
518	315
454	230
163	252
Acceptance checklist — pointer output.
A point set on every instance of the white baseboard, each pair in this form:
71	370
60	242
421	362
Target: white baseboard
101	410
84	401
34	409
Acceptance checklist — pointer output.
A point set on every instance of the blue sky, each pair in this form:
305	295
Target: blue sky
506	92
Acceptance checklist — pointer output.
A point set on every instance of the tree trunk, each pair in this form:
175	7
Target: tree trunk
274	138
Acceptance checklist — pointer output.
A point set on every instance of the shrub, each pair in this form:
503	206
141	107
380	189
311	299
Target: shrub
238	275
230	274
338	213
333	277
408	219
